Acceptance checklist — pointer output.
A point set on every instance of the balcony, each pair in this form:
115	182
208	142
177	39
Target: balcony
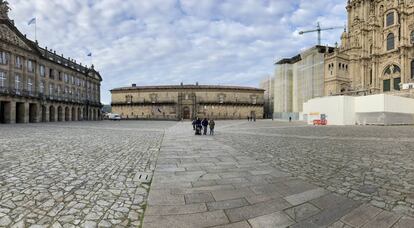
6	91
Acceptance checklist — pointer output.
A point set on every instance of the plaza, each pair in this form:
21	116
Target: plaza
251	174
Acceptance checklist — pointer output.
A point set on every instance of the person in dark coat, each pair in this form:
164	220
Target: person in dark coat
212	125
194	124
198	126
205	125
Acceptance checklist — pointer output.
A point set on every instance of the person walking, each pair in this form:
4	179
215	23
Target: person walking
205	125
194	124
212	125
198	126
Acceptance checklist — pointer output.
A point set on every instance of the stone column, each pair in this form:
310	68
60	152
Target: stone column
26	111
39	113
47	119
10	112
70	113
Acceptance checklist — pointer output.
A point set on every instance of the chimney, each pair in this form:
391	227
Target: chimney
134	85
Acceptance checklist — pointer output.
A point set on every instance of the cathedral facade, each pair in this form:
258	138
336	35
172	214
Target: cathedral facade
376	54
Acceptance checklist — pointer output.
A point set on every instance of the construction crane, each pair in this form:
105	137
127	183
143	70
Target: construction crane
319	31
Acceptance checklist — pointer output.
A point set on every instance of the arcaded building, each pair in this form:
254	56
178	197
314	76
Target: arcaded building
176	102
376	54
38	85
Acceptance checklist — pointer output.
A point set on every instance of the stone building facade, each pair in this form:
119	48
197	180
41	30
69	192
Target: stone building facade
268	85
37	85
187	102
376	54
297	80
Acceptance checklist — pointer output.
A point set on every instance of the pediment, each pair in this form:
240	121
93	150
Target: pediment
9	36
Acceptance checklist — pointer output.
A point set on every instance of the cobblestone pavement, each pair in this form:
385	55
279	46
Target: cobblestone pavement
258	174
373	164
275	174
76	174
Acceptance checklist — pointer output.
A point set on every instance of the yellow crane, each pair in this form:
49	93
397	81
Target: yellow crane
319	31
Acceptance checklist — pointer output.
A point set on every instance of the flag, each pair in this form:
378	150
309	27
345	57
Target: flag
90	54
32	21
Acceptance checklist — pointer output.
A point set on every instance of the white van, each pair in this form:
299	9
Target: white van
112	116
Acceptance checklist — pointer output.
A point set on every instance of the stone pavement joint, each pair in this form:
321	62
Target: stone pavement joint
211	182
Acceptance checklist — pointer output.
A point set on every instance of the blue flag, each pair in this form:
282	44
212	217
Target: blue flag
32	21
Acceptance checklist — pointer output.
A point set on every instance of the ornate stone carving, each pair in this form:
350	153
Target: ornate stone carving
4	9
9	36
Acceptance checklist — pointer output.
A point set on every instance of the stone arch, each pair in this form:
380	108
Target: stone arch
52	114
73	114
391	68
93	114
44	113
67	114
85	114
60	114
79	114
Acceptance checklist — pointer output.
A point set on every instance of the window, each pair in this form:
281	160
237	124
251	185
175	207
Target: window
412	37
390	42
19	62
128	99
412	69
66	78
29	85
370	77
221	99
51	73
30	66
2	79
390	19
42	87
42	71
397	82
17	83
50	89
254	100
3	58
386	85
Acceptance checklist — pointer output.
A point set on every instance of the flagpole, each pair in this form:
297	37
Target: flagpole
36	30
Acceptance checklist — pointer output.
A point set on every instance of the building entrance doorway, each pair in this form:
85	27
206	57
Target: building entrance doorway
44	118
32	113
20	112
52	115
2	112
186	113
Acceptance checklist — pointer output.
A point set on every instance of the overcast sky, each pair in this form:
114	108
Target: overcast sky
154	42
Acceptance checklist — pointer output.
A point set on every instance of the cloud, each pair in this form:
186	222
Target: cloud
172	41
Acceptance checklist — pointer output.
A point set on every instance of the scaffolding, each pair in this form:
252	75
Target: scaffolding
298	80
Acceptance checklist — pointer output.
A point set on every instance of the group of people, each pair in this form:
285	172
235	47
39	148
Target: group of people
249	118
202	125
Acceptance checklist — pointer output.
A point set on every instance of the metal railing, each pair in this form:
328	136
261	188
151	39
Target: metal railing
52	97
